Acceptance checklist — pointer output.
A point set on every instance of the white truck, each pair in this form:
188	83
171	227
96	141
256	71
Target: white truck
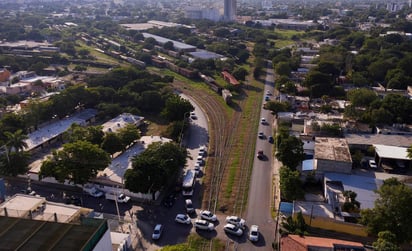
121	198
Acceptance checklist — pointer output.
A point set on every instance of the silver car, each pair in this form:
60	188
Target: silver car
232	229
254	233
204	225
157	232
183	219
237	221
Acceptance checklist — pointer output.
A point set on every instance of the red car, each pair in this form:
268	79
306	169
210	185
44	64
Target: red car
260	154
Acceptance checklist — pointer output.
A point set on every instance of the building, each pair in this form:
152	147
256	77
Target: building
33	223
309	243
202	13
4	75
121	121
229	12
230	78
332	155
178	46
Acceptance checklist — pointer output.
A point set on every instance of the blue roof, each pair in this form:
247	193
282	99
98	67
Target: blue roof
363	186
286	208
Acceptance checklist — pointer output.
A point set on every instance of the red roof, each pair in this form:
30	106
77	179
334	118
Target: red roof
298	243
229	78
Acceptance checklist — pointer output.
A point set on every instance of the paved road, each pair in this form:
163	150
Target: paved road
260	199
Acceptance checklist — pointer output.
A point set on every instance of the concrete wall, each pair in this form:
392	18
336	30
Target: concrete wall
333	166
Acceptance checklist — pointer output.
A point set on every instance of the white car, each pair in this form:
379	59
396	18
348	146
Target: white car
96	193
202	150
372	164
235	221
199	159
254	233
193	115
157	231
189	206
207	215
182	218
204	225
232	229
263	121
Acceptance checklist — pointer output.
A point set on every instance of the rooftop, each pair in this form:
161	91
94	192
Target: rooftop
391	152
163	40
309	241
372	139
335	149
203	54
319	209
121	121
54	129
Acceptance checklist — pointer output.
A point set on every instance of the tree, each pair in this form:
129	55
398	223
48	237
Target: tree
283	68
128	134
16	141
290	152
240	73
156	167
168	45
410	152
361	97
290	184
112	143
176	107
351	205
392	211
386	241
77	162
92	134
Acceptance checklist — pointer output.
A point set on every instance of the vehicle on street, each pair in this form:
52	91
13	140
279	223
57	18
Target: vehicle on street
261	135
193	115
121	198
268	93
188	182
183	219
189	206
74	200
202	151
271	140
157	232
254	233
96	193
204	225
233	229
235	220
199	159
263	121
169	200
267	98
207	215
372	164
260	154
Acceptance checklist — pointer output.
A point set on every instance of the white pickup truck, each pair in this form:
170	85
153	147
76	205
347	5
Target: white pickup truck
121	198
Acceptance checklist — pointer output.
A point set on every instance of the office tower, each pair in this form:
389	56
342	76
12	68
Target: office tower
229	10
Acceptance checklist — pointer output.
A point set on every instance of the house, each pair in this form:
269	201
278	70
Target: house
310	243
230	78
121	121
4	74
332	155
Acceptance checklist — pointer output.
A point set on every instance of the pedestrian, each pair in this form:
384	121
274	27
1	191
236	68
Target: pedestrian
52	196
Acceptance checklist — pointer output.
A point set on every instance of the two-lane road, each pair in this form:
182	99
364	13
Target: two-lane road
260	199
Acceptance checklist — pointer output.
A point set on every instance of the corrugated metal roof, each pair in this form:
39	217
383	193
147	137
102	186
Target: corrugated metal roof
391	152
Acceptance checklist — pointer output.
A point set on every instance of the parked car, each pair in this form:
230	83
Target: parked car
157	232
183	219
235	221
263	121
202	151
193	115
267	98
207	215
372	164
271	139
189	206
204	225
254	233
260	154
261	135
268	93
232	229
169	200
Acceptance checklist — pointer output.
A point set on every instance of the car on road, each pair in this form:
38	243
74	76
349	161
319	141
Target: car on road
372	164
260	154
96	193
271	140
202	151
235	220
193	115
157	232
267	98
169	200
199	159
263	121
204	225
261	135
233	229
254	233
268	93
207	215
183	219
189	206
73	200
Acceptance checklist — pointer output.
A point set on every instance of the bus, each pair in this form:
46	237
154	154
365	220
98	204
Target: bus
188	183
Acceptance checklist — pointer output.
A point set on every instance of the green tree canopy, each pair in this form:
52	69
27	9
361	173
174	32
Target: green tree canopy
112	143
386	241
361	97
392	211
176	107
77	162
128	134
156	167
290	184
290	152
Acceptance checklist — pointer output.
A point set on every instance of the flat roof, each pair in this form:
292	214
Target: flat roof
391	152
138	26
21	204
163	40
117	168
121	121
313	208
26	234
54	129
336	149
363	186
371	139
309	241
204	54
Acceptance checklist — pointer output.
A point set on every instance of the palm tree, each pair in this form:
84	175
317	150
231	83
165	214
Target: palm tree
16	140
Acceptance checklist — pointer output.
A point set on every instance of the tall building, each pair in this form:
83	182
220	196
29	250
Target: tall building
229	13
